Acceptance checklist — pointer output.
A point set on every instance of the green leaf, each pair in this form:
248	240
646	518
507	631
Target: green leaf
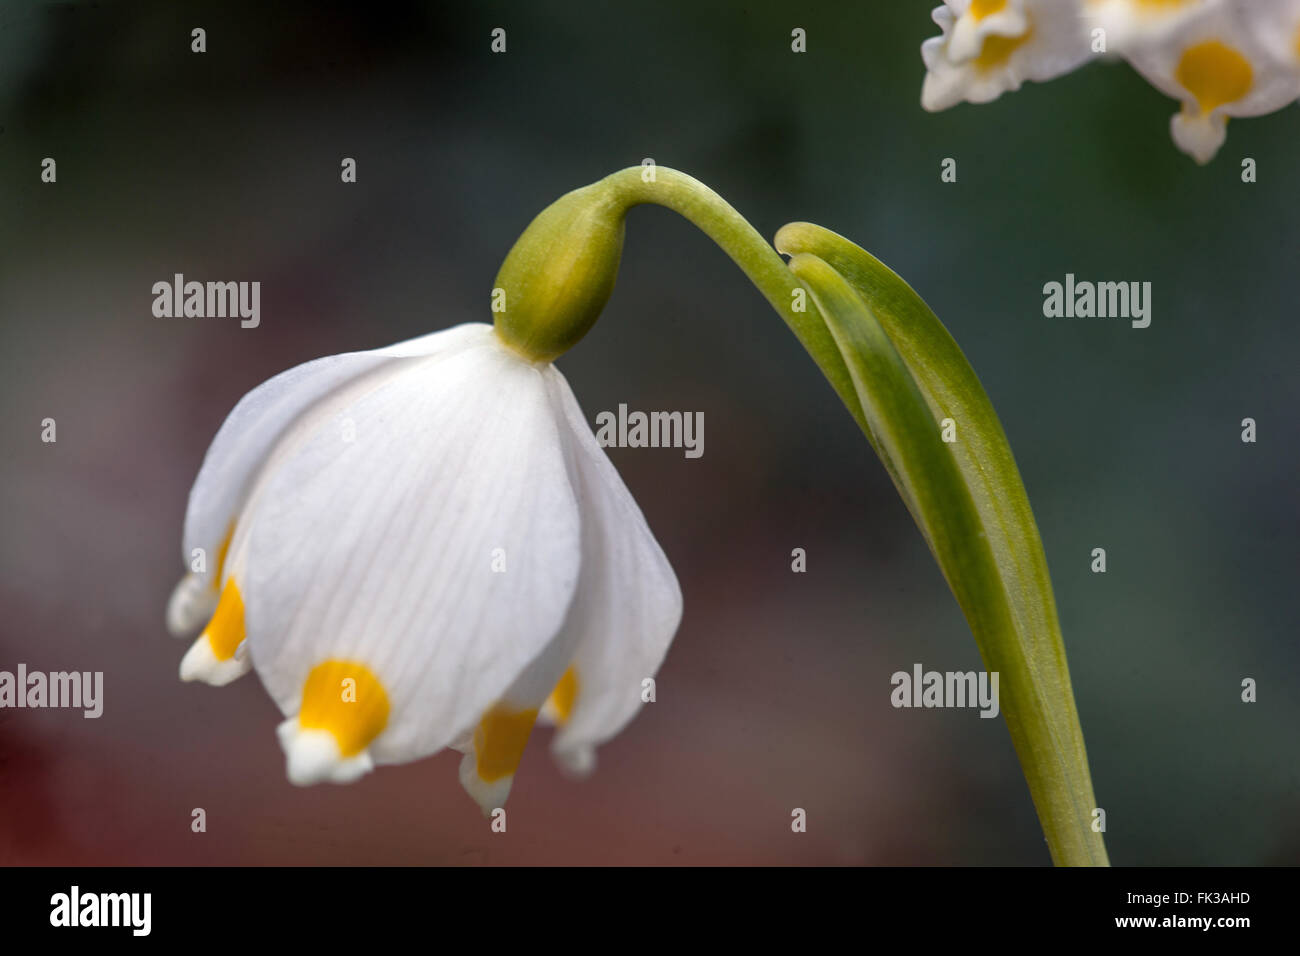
970	504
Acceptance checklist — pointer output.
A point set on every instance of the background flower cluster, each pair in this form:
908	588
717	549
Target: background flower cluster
1219	58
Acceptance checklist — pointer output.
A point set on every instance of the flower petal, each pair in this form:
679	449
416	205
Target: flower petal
1135	23
437	550
627	606
980	19
979	59
245	441
1219	65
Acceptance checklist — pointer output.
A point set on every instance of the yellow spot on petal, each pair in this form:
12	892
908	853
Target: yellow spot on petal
1214	74
225	632
346	699
566	692
221	556
499	741
997	49
980	9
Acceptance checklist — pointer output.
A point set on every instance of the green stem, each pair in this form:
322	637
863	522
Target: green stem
718	219
558	278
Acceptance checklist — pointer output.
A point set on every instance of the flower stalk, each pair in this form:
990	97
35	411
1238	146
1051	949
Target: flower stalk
899	374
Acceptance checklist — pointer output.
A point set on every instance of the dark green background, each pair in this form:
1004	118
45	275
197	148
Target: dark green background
776	692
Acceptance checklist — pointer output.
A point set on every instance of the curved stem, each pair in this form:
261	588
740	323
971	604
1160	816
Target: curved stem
960	498
718	219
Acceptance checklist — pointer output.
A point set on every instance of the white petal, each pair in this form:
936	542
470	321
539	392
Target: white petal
261	418
627	606
313	756
380	550
944	84
1199	136
527	696
192	602
201	664
1036	40
1218	66
969	30
1133	24
1275	26
488	794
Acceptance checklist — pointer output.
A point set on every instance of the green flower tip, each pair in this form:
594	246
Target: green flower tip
559	275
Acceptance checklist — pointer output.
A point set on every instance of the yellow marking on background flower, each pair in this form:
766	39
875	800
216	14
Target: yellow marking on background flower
997	49
225	632
566	692
346	699
980	9
221	556
499	741
1214	73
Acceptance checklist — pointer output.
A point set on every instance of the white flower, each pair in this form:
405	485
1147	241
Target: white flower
422	547
990	47
1227	60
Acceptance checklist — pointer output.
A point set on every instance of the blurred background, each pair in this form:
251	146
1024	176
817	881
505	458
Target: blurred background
775	694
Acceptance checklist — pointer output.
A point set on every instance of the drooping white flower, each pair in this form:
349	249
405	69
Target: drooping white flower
990	47
1223	60
421	547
